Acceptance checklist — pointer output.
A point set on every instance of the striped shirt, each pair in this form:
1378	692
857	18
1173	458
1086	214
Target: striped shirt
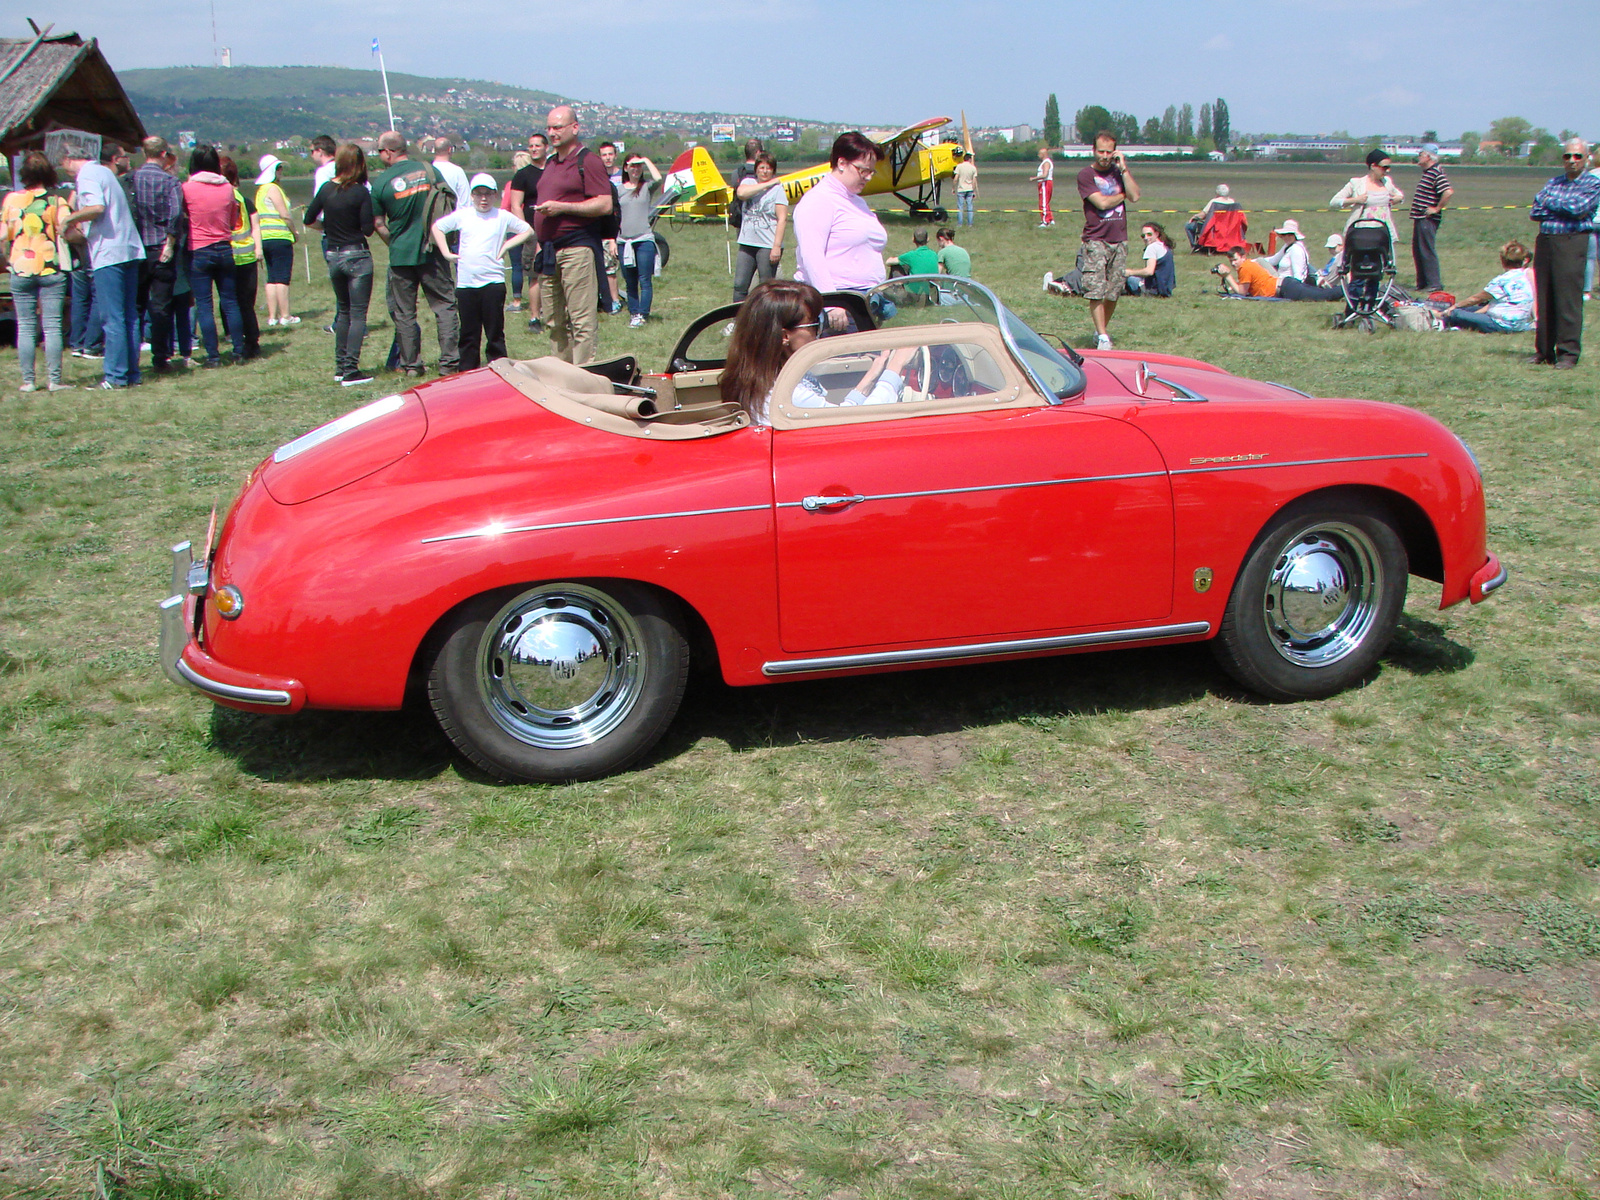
1567	205
1433	184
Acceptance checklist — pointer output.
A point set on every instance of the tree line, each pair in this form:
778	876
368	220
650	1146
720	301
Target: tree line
1177	126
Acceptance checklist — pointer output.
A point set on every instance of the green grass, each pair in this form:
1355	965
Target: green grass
1093	926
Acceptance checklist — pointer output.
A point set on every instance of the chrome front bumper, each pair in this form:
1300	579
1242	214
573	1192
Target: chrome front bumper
182	659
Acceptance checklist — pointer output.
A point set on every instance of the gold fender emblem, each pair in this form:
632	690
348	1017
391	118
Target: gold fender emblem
1226	458
1202	579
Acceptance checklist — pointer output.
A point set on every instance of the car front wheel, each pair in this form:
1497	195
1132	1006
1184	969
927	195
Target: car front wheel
1316	603
559	682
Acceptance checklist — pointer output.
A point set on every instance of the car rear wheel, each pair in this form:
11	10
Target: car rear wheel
561	681
1316	603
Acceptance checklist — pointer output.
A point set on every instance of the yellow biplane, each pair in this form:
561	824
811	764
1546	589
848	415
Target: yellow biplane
911	170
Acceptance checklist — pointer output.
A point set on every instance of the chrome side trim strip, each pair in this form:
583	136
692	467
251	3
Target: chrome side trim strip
990	487
888	658
1498	582
272	696
496	530
1304	462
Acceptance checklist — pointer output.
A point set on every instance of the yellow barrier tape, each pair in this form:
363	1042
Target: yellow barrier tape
1187	212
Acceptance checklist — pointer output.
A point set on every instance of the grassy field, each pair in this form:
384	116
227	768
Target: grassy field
1098	926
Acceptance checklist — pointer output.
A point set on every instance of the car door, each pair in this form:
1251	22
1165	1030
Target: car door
951	517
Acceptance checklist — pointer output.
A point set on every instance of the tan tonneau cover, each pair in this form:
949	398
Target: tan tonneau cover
587	398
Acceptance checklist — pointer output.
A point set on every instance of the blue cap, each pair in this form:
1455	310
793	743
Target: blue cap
1431	148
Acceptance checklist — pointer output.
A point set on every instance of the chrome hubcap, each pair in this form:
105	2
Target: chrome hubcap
1322	594
560	667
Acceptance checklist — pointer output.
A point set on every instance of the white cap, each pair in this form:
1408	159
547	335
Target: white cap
485	180
1334	241
268	167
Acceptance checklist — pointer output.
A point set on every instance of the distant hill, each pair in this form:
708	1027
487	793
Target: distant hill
256	104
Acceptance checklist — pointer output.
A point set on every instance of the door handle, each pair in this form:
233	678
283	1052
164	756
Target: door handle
818	503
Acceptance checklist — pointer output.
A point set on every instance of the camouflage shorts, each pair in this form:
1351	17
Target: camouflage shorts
1102	269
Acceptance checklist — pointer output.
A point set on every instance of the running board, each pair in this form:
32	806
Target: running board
901	658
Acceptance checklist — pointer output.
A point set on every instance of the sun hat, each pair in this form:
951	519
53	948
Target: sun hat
1290	226
483	180
1334	241
268	167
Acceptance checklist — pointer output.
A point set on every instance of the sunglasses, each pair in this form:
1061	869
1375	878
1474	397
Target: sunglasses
1574	157
814	326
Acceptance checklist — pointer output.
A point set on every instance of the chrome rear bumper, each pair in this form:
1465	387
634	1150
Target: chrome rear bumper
182	659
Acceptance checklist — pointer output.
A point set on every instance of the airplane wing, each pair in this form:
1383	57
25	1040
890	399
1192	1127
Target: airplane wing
901	148
912	131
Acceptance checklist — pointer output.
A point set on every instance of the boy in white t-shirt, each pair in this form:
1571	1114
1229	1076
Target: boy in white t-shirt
487	232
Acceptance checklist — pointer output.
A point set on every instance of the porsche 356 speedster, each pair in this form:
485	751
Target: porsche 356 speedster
538	548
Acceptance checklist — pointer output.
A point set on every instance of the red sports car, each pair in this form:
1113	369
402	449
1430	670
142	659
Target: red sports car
539	548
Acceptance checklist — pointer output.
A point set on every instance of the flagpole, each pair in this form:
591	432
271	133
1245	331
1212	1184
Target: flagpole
382	70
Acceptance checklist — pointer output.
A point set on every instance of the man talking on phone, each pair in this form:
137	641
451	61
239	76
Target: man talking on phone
1106	185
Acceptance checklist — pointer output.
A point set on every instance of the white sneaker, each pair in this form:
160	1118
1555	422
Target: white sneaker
271	322
727	330
289	321
28	387
1049	278
1102	341
635	322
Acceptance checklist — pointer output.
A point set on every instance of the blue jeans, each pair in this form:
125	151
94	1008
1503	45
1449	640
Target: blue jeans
640	277
350	273
39	300
116	291
85	333
964	207
1471	318
208	265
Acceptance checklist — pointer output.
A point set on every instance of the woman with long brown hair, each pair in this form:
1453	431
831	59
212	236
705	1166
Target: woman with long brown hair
778	318
344	205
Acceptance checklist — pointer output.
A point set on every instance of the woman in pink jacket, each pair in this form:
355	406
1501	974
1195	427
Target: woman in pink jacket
213	214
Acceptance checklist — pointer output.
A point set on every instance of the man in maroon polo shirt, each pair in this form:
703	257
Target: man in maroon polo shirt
573	192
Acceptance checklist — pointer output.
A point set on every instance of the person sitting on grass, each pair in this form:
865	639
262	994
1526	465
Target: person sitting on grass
953	259
1157	275
1244	276
919	260
1505	305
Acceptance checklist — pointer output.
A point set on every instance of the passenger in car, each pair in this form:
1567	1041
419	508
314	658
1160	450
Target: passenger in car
777	318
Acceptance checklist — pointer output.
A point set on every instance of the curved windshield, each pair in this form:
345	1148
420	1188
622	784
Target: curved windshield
946	299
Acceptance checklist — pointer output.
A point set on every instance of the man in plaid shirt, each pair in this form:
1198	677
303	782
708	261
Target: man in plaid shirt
158	212
1565	209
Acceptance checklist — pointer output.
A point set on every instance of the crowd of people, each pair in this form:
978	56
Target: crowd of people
120	262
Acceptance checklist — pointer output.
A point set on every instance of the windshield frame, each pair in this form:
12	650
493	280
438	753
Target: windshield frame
1005	321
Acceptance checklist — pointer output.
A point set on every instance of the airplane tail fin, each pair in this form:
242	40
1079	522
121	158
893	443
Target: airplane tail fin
693	174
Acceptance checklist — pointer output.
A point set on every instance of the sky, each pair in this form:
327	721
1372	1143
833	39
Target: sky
1303	66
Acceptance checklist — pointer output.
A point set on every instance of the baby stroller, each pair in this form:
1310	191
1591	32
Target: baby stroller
1368	276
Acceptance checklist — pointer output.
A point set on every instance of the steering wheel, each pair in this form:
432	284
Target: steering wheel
918	377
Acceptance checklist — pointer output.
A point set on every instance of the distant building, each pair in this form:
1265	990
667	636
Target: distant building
1083	150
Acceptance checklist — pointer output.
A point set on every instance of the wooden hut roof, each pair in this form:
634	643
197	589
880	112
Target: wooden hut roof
61	82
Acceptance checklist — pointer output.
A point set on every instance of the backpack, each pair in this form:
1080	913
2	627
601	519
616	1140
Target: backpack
736	205
441	200
607	227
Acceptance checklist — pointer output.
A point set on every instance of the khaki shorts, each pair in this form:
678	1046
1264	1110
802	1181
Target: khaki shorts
1102	269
